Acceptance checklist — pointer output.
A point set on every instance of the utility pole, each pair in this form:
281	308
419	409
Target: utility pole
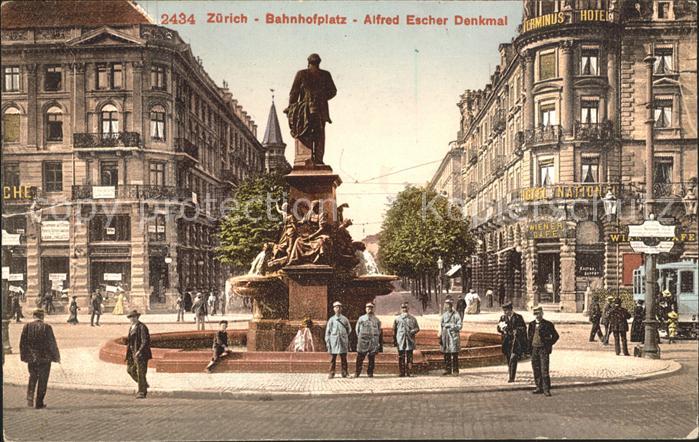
650	344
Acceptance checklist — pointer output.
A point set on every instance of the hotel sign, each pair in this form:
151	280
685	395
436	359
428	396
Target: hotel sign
545	229
563	17
568	191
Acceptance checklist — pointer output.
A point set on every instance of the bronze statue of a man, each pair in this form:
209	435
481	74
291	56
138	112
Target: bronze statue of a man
308	107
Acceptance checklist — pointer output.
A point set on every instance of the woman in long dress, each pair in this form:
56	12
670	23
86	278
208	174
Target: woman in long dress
73	308
119	305
637	329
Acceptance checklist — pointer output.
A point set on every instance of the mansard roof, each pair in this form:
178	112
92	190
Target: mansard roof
55	13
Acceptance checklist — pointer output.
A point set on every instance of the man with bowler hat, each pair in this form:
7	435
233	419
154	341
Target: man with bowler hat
138	353
542	336
404	330
337	332
449	341
514	338
38	348
369	340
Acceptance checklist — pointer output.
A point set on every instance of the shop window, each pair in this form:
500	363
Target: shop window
547	114
588	110
53	78
110	228
546	172
54	124
663	64
157	123
109	173
547	66
157	77
157	174
589	61
663	113
10	79
109	121
10	125
10	175
590	170
53	176
109	75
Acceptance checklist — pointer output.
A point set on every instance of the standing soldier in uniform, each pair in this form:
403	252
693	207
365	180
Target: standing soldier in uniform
514	338
595	316
449	338
369	340
37	347
337	333
542	335
404	330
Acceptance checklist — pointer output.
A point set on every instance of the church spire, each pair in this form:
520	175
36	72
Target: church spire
273	143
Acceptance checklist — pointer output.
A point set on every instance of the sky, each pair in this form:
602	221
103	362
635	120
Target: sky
398	85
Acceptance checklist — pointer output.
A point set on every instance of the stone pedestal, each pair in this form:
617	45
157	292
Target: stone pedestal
306	184
308	291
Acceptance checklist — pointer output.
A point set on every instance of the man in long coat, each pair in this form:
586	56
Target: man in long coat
38	348
514	338
605	319
542	336
638	332
450	343
96	308
369	340
618	323
138	353
405	328
337	332
595	317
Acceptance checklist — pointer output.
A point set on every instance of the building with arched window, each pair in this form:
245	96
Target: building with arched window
120	147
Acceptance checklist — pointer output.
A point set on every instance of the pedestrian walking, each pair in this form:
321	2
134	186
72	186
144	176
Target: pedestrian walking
337	332
604	320
119	304
220	345
514	338
179	305
38	348
638	332
212	301
473	303
541	336
405	327
461	306
138	353
187	300
48	302
96	308
618	322
73	309
199	310
672	327
449	339
17	307
369	340
595	317
489	298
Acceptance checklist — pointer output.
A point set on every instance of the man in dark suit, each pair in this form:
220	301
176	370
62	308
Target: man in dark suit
618	323
542	336
308	106
96	308
514	339
138	353
38	348
595	317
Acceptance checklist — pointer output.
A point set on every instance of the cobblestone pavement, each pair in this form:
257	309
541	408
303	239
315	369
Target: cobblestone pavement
664	407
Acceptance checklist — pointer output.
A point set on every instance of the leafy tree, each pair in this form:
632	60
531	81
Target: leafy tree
251	220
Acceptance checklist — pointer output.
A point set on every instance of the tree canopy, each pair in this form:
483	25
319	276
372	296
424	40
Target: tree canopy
419	227
251	219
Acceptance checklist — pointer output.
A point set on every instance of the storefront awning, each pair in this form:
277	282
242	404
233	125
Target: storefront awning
453	270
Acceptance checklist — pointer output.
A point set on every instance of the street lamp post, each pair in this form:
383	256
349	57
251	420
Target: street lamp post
611	208
440	266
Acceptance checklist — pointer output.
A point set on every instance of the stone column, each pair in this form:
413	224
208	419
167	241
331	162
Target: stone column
172	269
531	270
140	293
567	107
80	117
137	119
33	258
32	106
613	93
529	90
567	288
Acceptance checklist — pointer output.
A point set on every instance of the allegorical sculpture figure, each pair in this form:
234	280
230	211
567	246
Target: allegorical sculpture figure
308	107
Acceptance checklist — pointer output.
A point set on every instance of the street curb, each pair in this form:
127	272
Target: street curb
267	396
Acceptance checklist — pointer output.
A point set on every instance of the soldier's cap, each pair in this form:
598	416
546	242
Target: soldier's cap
448	301
337	304
538	309
369	304
314	58
507	306
133	313
38	313
672	315
667	293
404	305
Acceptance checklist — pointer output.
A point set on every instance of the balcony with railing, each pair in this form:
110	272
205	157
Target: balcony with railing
670	191
131	192
472	155
541	135
498	120
593	131
84	140
184	145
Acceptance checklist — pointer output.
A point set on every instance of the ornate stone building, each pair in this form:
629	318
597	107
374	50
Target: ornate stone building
117	150
447	180
560	124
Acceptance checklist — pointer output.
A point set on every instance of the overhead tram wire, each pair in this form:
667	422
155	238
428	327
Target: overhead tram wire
399	171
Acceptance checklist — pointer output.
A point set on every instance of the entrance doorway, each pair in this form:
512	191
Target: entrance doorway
158	277
548	278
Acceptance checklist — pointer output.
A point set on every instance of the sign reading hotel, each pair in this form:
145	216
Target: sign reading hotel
562	17
55	230
567	191
544	229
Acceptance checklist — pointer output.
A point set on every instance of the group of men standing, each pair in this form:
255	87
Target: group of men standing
614	317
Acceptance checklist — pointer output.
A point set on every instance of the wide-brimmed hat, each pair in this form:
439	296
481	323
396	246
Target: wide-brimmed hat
507	306
538	309
133	313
